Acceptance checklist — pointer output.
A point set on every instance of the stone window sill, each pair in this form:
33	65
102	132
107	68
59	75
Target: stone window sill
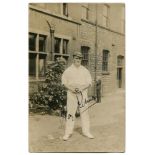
36	80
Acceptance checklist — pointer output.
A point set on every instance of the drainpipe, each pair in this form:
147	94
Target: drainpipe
95	68
52	40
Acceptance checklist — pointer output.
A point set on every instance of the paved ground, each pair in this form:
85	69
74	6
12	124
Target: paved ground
107	125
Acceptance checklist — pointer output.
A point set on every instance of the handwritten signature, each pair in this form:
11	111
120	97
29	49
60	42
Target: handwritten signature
81	105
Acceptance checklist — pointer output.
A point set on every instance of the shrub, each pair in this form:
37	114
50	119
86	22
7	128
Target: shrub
51	95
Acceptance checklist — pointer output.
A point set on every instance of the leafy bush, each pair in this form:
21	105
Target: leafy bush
51	95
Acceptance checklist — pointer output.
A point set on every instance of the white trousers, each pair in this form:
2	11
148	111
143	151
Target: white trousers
72	105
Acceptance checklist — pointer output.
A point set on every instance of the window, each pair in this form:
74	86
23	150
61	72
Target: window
120	66
85	11
85	54
32	64
65	9
61	48
105	58
65	46
57	42
32	42
41	65
105	15
61	45
42	43
120	60
37	55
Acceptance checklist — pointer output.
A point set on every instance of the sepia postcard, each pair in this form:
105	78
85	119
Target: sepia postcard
76	76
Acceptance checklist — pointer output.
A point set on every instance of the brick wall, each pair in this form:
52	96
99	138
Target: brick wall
106	39
84	35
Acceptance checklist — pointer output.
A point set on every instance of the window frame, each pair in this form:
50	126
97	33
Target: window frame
105	61
120	61
44	42
85	51
61	48
86	16
106	17
56	39
38	54
35	37
65	9
65	51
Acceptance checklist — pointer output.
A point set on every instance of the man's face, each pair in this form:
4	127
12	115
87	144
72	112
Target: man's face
77	61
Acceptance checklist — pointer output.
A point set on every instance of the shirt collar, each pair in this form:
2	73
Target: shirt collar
76	67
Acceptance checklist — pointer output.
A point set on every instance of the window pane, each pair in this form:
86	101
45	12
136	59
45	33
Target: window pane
120	60
105	60
84	63
32	41
57	45
84	51
84	13
42	58
65	46
42	43
105	56
32	64
105	16
85	55
105	66
65	9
